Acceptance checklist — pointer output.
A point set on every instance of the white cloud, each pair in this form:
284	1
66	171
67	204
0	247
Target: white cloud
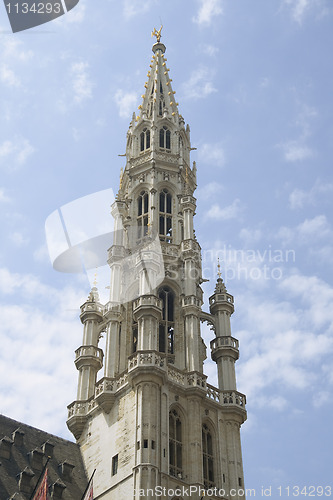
250	236
209	190
132	9
125	102
3	197
212	154
24	152
296	151
312	230
15	153
321	398
19	239
81	83
230	212
318	227
298	9
208	10
286	345
6	148
41	254
199	85
77	15
12	49
301	8
210	50
8	77
298	198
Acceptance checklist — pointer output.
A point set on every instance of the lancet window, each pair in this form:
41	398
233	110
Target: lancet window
167	325
145	139
165	138
142	214
175	445
207	457
165	229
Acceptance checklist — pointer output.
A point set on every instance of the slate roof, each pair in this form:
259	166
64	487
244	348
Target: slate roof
23	454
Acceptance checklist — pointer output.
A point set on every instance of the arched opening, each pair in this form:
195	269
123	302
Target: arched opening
175	445
142	214
207	457
145	139
165	226
167	325
165	138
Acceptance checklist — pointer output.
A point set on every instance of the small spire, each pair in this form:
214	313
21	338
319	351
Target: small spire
219	268
220	286
94	295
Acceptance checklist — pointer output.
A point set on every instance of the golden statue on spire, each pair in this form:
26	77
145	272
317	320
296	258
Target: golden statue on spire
219	268
157	34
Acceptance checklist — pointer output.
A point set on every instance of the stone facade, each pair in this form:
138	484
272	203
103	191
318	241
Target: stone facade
152	420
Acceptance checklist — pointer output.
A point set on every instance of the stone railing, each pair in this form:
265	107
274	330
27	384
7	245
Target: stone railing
213	393
176	376
190	245
232	398
147	301
147	358
224	341
195	379
192	379
221	297
110	384
89	350
226	398
92	307
191	301
81	408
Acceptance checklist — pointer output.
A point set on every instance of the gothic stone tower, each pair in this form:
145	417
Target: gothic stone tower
152	420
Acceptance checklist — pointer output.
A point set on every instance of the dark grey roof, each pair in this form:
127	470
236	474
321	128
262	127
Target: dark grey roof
23	453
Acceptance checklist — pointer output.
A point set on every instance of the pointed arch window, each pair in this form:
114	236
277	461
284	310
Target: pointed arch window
175	445
134	338
165	138
145	139
207	457
167	325
165	229
142	214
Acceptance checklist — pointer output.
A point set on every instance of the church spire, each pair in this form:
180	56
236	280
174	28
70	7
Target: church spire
159	98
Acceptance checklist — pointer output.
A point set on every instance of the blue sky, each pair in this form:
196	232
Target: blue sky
254	81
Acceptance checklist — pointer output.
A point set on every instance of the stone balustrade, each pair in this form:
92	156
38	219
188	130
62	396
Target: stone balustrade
224	341
91	307
147	301
232	398
110	385
221	297
89	350
191	301
146	358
